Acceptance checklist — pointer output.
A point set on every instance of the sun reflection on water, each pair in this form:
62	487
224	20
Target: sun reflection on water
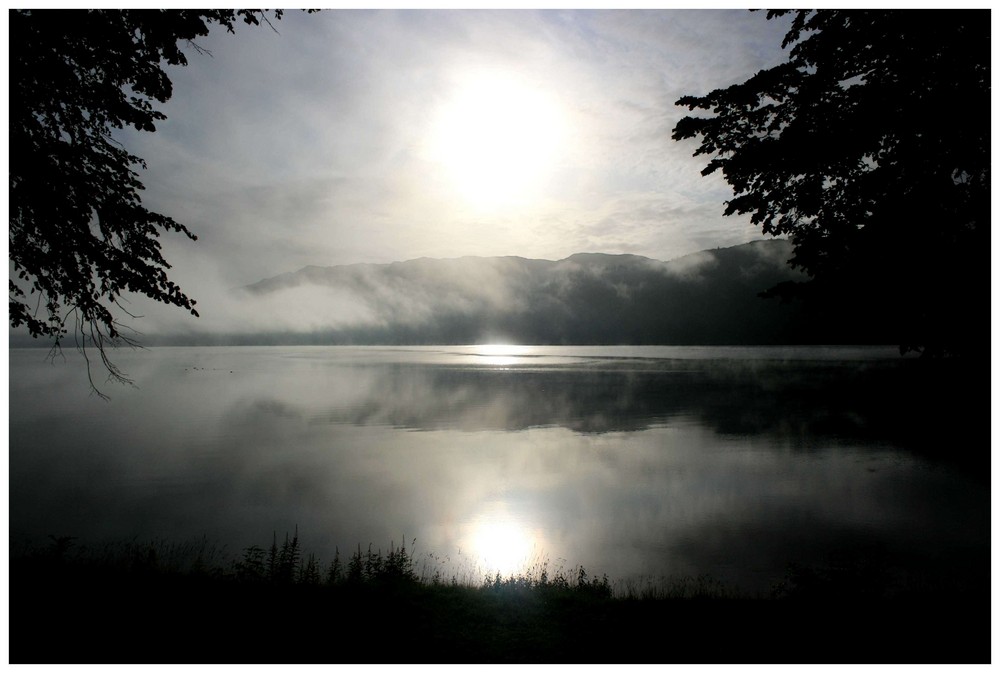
501	355
501	543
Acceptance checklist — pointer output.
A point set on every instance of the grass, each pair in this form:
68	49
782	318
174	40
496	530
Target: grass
156	602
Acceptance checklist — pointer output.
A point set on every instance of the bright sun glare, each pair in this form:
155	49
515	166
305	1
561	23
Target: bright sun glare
497	139
501	354
502	545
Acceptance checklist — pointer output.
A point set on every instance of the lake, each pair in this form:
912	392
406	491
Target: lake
648	464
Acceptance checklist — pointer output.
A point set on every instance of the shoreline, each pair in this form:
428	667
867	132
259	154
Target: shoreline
278	604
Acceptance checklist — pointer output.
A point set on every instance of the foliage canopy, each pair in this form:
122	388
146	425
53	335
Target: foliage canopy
869	149
79	234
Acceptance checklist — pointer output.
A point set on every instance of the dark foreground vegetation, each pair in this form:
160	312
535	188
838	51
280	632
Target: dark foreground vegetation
139	603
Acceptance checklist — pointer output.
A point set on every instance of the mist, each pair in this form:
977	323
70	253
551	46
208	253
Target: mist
708	297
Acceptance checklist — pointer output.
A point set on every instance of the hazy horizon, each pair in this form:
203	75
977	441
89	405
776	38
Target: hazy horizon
709	296
356	136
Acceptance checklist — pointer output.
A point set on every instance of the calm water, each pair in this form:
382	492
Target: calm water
636	462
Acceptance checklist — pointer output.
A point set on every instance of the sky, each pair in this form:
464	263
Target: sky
377	136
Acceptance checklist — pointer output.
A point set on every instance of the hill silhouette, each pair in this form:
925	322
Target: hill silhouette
710	297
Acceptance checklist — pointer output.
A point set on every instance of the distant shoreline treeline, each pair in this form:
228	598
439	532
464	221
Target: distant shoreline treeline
708	298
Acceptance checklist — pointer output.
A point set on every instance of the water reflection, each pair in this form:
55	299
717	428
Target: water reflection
628	465
500	541
500	355
794	402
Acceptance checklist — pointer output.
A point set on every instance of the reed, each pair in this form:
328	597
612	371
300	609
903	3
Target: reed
192	602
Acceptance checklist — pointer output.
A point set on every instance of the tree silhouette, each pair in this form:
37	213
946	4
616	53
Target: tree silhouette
869	149
79	234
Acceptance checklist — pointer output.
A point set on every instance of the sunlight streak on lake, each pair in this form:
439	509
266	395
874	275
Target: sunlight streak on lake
503	355
631	461
500	543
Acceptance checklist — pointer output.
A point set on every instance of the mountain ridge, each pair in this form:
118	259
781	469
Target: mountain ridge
311	271
705	297
710	297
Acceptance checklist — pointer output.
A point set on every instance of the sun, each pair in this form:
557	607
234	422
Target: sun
496	139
